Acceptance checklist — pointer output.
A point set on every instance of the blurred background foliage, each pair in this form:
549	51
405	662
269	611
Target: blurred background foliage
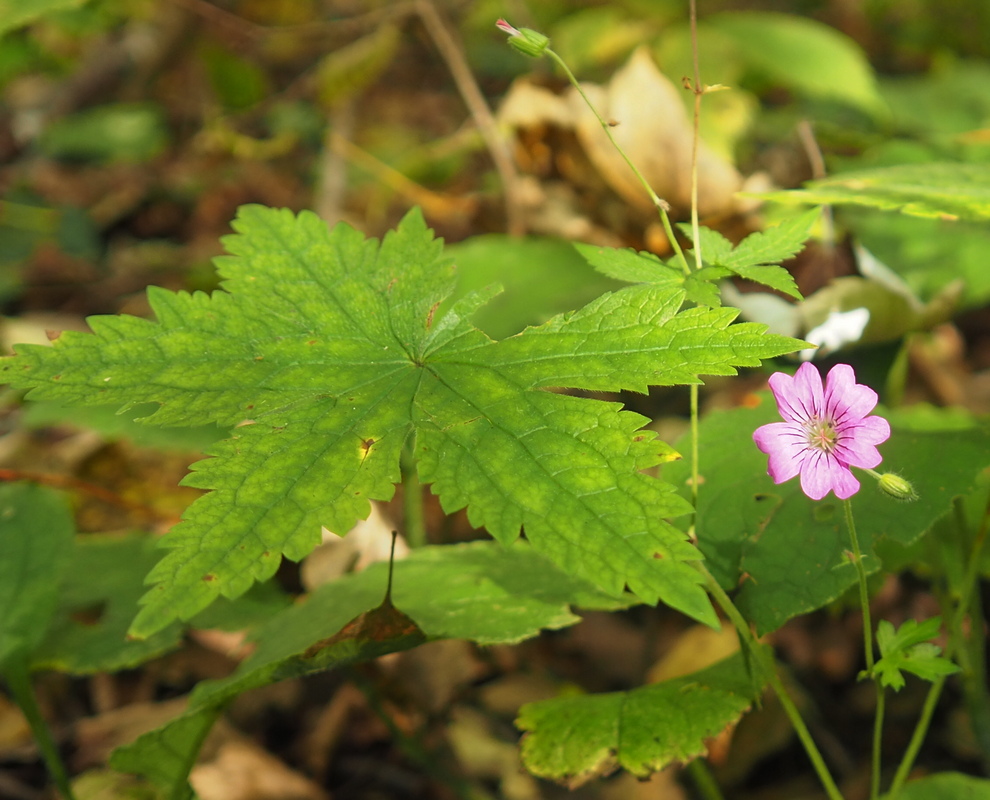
131	129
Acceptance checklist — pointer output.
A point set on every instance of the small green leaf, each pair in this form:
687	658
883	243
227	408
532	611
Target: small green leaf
944	190
945	786
627	265
36	533
573	739
756	256
909	650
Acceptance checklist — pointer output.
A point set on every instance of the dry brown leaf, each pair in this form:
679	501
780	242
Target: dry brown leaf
244	771
483	755
368	541
96	737
698	647
649	122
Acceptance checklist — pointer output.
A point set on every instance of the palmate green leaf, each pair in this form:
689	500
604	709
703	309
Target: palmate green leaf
944	190
573	739
326	350
755	257
36	532
785	554
625	264
908	649
446	592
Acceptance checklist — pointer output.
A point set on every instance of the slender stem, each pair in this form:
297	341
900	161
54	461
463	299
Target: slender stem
955	624
453	54
920	731
17	677
698	91
877	739
765	661
864	595
412	497
694	445
864	602
704	781
662	205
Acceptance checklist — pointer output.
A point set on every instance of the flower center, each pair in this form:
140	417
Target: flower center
821	434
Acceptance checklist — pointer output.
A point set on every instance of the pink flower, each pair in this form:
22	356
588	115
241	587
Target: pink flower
824	432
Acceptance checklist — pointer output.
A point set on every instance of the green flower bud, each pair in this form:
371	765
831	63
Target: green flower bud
895	486
525	40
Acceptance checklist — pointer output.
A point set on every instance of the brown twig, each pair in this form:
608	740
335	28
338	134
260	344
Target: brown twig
453	56
68	483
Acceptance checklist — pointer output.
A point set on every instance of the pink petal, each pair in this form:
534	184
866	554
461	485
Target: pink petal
821	474
845	399
786	445
800	397
857	443
505	27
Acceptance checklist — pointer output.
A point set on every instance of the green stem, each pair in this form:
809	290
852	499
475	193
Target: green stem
662	205
694	446
920	731
877	739
412	497
864	595
18	678
695	133
864	602
764	660
955	624
704	781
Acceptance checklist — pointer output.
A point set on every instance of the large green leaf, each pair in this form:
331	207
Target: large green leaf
943	190
786	554
96	604
579	737
36	532
327	351
449	592
945	786
804	55
165	755
438	592
540	276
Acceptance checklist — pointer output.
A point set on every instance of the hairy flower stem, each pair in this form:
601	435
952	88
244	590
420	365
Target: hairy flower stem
864	602
17	677
661	204
763	658
864	594
955	642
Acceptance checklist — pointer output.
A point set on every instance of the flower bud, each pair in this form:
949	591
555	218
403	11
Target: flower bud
895	486
525	40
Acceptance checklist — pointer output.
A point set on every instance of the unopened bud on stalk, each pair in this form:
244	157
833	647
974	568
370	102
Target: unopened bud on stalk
525	40
895	486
